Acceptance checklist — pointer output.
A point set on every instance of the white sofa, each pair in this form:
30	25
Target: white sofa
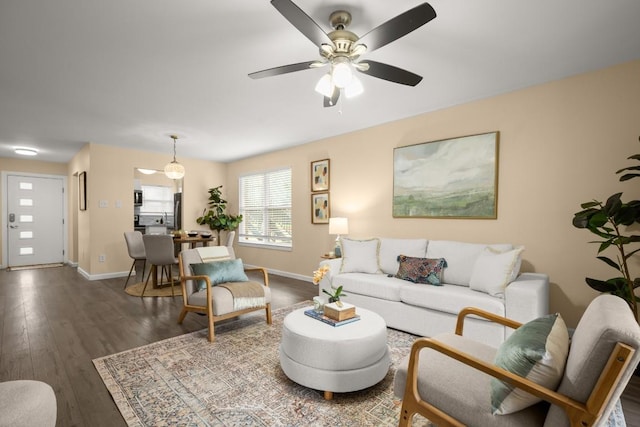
478	275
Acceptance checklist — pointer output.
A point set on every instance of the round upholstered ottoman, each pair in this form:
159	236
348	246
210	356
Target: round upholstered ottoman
26	403
339	359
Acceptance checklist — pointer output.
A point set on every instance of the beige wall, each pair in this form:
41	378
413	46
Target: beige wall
110	174
560	145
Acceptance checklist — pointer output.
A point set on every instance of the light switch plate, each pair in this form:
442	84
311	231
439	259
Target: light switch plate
104	203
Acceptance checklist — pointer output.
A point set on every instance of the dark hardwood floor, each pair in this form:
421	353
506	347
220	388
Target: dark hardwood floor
53	323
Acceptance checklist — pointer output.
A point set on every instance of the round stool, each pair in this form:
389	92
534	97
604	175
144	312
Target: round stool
339	359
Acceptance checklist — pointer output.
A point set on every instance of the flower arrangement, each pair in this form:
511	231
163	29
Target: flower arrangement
318	275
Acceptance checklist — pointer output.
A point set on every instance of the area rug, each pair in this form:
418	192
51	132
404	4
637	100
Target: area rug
165	291
237	381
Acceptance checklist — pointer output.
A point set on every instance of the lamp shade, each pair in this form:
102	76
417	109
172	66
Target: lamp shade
174	170
338	226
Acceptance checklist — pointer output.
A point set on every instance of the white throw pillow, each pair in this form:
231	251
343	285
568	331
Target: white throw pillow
391	248
538	351
494	270
359	256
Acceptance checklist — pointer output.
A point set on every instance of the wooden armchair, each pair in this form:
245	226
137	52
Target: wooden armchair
219	301
447	378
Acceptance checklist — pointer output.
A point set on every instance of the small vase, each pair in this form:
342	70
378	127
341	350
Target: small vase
318	305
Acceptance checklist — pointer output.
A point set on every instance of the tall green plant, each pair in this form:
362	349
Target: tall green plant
215	216
610	221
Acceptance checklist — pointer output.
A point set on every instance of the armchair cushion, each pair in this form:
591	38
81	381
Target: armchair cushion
536	350
220	272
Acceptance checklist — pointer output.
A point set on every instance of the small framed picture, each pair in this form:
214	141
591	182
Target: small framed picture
82	191
320	208
320	175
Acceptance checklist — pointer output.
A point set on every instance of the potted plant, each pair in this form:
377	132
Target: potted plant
610	221
335	296
215	216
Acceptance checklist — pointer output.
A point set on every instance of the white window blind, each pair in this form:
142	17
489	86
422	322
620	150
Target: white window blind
265	205
156	199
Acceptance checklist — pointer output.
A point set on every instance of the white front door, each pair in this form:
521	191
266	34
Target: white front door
35	220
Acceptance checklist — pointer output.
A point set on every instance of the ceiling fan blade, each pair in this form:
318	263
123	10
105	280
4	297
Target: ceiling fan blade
284	69
390	73
330	102
302	22
398	27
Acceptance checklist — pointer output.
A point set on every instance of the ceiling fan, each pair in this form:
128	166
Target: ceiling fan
341	49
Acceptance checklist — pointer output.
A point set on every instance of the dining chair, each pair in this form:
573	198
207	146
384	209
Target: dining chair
160	253
135	246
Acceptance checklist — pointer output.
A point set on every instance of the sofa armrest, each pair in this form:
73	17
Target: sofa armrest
334	268
527	297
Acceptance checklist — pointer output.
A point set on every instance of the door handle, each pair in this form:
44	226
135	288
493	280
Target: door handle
13	226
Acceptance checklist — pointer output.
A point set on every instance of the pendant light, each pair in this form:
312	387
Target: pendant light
174	170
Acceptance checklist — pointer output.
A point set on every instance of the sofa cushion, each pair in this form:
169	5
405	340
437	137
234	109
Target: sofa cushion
536	350
421	270
461	258
359	256
449	298
391	248
494	270
372	285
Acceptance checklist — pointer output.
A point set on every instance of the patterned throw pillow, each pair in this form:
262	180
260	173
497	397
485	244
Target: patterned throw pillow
421	270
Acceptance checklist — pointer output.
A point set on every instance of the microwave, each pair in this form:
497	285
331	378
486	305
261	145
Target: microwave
137	197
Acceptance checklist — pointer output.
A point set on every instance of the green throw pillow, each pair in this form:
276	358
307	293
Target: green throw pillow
220	272
538	351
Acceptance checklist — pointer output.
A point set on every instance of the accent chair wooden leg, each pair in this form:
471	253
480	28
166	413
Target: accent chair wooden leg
268	311
211	330
183	314
328	395
406	417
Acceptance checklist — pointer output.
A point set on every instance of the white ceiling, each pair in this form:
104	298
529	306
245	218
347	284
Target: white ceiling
131	72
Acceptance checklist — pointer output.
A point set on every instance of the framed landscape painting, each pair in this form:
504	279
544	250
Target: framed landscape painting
320	208
451	178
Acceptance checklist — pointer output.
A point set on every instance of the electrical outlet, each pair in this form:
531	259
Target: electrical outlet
102	258
104	203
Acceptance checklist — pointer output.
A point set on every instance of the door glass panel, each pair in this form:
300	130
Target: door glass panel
26	186
26	234
26	202
26	251
26	218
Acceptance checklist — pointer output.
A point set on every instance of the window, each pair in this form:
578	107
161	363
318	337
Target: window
265	206
156	199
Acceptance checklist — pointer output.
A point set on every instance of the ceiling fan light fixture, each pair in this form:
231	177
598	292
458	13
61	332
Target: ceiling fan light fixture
174	170
325	86
355	88
342	72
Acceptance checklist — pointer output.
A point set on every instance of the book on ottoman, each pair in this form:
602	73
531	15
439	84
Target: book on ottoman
335	312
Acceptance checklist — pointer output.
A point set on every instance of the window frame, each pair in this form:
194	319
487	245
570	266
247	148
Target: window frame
265	208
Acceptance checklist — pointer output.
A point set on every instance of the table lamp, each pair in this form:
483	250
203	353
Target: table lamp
338	226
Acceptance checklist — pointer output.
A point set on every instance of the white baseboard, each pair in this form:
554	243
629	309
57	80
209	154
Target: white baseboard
102	276
286	274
